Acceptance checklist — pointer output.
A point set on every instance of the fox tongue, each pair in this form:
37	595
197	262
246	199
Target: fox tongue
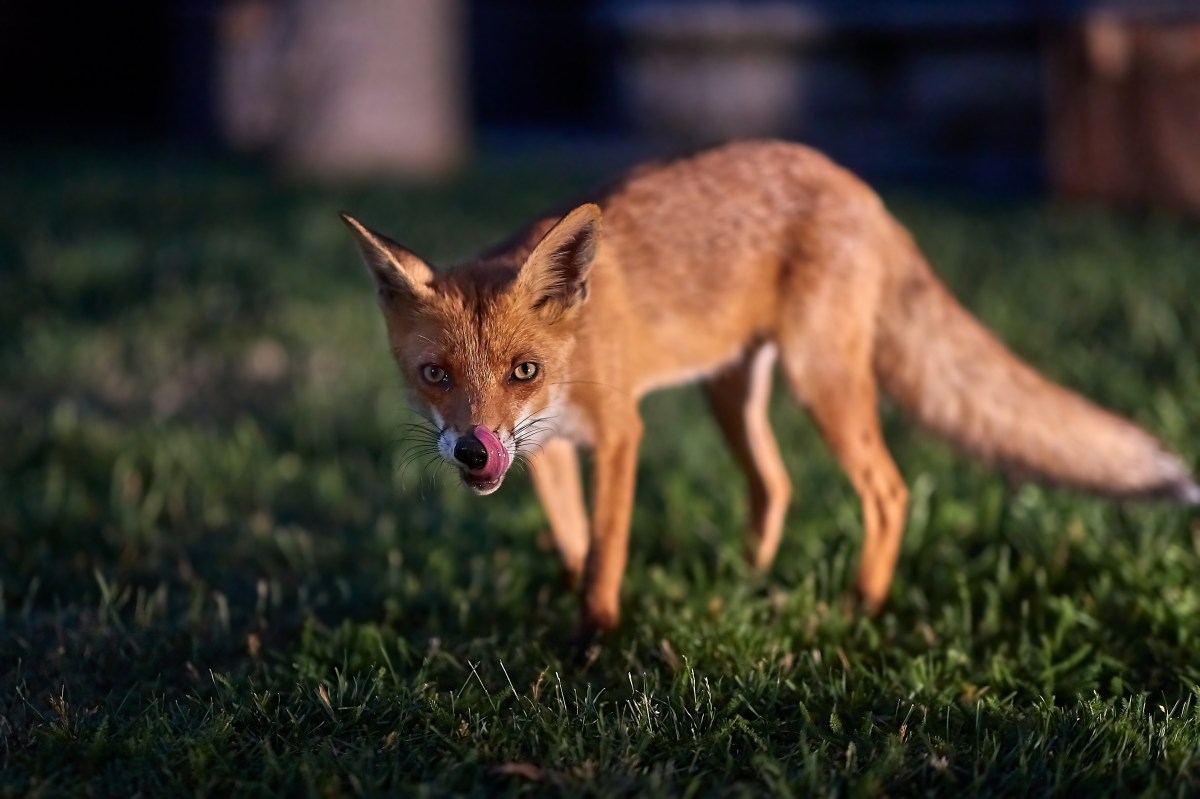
497	455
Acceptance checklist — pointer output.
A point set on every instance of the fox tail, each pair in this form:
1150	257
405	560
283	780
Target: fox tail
943	367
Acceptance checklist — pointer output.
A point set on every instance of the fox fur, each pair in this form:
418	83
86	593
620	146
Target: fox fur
716	268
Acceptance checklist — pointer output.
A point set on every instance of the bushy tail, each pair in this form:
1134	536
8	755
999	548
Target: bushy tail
941	365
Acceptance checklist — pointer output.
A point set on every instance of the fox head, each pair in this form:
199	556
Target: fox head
485	348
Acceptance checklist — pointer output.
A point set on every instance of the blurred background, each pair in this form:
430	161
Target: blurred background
1089	99
207	465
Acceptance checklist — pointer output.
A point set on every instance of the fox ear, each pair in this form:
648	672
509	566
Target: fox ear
398	273
556	272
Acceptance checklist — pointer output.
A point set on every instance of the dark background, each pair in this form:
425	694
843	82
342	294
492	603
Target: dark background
916	92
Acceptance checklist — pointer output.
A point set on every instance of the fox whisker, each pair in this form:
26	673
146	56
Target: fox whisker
425	457
528	419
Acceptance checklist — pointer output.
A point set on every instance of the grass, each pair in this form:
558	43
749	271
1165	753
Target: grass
216	580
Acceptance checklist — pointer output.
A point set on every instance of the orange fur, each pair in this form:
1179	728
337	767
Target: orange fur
709	268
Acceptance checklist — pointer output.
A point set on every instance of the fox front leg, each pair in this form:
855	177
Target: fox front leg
556	478
612	498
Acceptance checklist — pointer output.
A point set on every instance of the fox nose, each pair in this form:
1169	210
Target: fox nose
470	452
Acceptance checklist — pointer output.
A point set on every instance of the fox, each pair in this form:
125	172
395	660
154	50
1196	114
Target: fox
718	268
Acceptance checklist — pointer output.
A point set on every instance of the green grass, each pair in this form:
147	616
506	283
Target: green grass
215	580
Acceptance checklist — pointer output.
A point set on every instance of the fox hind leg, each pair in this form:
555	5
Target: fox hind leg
739	397
850	426
847	415
828	363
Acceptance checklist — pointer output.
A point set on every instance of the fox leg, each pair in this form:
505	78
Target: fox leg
739	397
847	415
556	478
850	426
835	381
615	467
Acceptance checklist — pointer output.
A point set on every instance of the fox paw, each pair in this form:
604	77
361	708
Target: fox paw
572	576
860	602
585	645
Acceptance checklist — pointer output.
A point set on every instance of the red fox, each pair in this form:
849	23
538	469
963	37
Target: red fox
711	268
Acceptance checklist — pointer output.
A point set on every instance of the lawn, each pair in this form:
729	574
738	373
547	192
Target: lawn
216	579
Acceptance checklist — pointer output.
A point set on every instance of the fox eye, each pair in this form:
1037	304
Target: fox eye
433	374
525	371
